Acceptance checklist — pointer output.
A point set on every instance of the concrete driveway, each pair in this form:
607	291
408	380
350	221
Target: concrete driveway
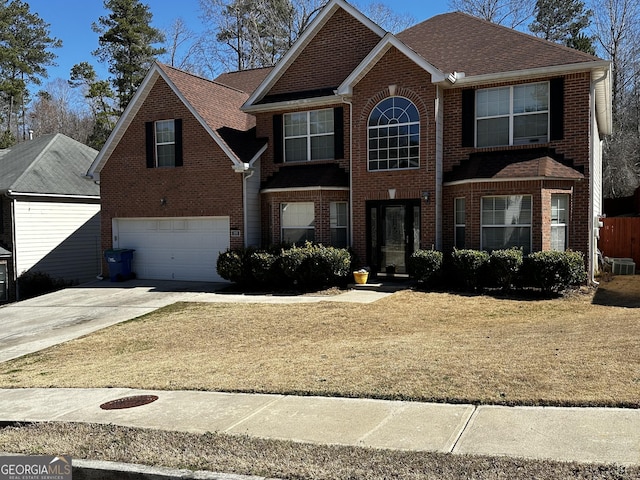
41	322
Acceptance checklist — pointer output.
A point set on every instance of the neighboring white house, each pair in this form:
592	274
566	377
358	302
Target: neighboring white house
50	213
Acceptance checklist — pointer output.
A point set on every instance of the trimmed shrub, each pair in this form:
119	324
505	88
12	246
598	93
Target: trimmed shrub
33	284
425	265
314	266
553	271
469	266
504	267
264	268
309	266
232	265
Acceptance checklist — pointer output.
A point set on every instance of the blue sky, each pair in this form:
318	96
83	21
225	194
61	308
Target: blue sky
70	21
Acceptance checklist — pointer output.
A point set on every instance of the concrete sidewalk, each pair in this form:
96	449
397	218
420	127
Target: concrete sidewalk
598	435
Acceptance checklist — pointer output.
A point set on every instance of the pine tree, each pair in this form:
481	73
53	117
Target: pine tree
564	22
126	44
25	41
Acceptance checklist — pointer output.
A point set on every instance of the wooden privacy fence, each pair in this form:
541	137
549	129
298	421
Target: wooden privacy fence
620	238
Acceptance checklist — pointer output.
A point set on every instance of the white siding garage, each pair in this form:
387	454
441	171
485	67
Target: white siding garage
173	248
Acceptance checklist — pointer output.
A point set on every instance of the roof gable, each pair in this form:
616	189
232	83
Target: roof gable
377	53
214	105
52	164
304	40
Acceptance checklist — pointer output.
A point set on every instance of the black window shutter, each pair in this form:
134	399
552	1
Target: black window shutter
338	132
278	139
556	108
468	117
177	124
151	144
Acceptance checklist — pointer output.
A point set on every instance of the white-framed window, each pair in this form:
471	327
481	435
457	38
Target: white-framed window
559	221
339	223
514	115
309	136
506	222
394	135
460	222
298	222
165	143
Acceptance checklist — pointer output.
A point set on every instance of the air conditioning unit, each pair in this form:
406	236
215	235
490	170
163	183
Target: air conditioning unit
624	266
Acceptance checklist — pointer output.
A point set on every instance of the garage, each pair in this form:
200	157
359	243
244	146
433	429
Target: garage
174	248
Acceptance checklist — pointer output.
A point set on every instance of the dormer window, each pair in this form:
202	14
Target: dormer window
309	136
515	115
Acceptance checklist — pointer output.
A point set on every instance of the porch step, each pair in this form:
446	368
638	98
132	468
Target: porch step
384	285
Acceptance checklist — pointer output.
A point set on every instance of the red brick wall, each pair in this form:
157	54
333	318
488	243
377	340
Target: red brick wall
574	146
415	84
205	185
334	52
540	192
321	198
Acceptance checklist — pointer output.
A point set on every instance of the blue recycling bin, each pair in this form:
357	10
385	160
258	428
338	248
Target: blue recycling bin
119	261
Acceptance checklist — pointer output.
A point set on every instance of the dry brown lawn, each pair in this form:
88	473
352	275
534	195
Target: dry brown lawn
279	459
411	345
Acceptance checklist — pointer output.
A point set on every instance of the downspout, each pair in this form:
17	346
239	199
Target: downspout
344	100
439	162
594	218
14	259
243	169
246	176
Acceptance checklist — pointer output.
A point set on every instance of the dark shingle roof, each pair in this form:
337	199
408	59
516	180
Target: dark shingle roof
457	42
532	163
301	176
219	106
245	80
50	164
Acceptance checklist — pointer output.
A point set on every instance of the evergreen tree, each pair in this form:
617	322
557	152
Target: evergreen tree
100	98
25	41
564	22
126	44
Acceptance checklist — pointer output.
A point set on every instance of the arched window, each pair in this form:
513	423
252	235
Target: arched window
394	135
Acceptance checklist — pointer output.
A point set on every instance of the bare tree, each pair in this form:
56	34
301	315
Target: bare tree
182	46
510	13
57	109
245	34
617	33
385	17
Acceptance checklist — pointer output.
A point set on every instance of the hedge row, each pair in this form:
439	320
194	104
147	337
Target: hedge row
549	271
306	267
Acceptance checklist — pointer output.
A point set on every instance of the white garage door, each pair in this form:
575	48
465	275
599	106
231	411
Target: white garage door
173	248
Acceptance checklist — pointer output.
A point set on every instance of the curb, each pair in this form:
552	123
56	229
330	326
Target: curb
104	470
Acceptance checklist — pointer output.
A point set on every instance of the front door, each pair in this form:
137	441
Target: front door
393	234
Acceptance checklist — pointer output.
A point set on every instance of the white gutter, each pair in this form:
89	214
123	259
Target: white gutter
515	179
531	73
289	104
13	194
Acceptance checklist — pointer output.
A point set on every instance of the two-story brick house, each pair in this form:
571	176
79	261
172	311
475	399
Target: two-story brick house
455	132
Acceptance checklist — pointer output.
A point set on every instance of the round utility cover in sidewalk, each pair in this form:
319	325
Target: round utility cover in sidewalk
128	402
